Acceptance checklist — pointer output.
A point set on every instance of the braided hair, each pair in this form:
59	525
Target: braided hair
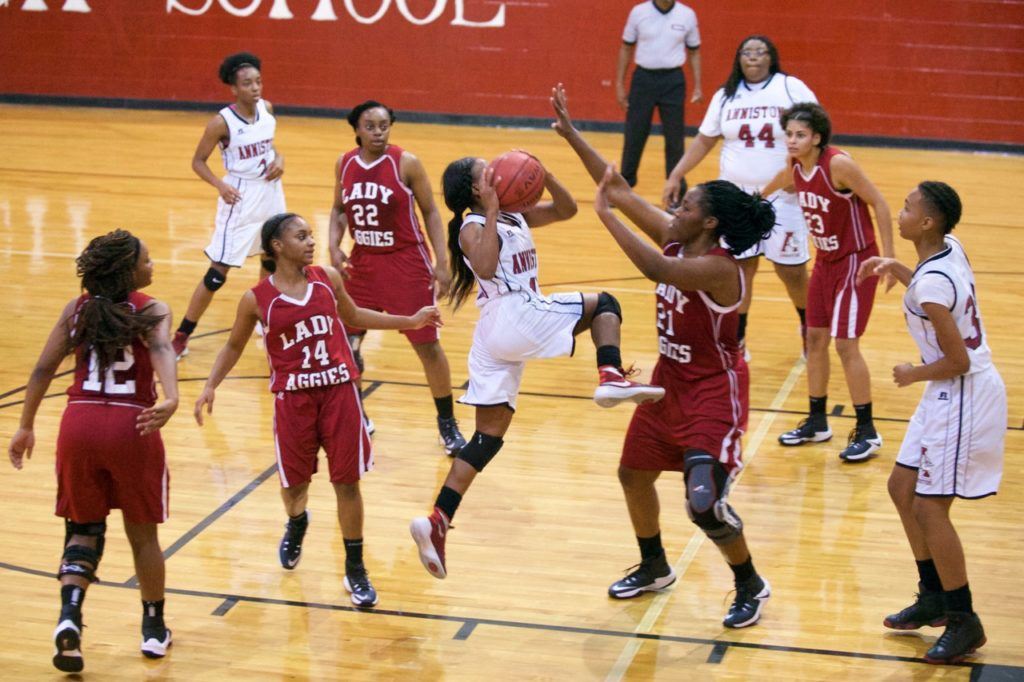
944	200
272	229
736	75
814	115
105	322
457	185
234	63
743	219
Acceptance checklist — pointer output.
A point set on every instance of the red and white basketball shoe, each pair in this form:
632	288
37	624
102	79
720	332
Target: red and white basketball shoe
615	388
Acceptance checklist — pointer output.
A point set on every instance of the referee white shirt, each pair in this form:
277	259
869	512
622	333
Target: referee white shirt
661	38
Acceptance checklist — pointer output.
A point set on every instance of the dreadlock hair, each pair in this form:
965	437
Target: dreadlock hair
105	322
736	75
814	115
457	185
743	219
234	63
357	111
272	229
944	200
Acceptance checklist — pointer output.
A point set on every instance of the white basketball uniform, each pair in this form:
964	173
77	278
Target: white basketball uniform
247	154
517	322
955	438
754	151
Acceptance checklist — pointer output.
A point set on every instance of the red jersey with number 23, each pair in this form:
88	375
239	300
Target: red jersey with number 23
128	380
838	221
305	340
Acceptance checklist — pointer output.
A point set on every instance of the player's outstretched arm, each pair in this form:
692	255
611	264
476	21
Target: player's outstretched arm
364	318
49	360
245	321
162	357
880	266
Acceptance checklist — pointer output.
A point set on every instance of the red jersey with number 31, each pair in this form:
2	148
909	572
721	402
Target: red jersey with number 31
379	206
305	340
128	380
838	220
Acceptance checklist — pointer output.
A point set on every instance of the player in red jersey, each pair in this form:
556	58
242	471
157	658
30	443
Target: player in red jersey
109	451
304	309
696	429
834	194
389	268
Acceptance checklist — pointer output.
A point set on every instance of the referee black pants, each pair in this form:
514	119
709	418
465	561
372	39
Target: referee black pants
650	88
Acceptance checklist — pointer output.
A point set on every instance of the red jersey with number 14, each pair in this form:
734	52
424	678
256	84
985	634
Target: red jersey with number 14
379	206
128	380
306	342
838	221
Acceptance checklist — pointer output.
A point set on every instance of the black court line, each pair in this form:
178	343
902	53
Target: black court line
1016	671
718	653
466	630
369	390
837	410
210	518
224	607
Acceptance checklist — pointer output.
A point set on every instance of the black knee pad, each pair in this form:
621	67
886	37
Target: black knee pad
606	303
355	341
480	450
214	280
97	529
707	488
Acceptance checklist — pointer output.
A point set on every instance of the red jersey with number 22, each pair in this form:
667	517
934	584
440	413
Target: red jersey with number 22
306	342
838	221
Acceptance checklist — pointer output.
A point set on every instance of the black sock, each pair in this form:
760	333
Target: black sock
609	355
187	326
445	407
743	572
353	553
152	614
929	576
741	331
448	501
802	312
818	405
71	598
864	415
959	599
650	548
301	520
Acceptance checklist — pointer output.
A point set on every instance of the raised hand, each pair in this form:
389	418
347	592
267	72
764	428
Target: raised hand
560	103
485	189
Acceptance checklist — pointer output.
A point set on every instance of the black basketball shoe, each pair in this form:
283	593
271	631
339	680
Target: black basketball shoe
746	608
450	436
290	550
811	430
927	609
67	645
649	576
358	584
864	441
963	636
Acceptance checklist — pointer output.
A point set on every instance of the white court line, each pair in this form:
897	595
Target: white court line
660	599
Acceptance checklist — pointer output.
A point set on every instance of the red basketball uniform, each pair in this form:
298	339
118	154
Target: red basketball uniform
705	378
312	374
102	461
841	230
391	266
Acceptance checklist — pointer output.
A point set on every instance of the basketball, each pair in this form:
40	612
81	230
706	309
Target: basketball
520	180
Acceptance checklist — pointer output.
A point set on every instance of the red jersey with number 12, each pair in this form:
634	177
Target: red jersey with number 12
838	221
128	380
379	206
306	342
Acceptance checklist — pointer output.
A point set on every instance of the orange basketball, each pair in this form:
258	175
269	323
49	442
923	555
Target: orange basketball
521	182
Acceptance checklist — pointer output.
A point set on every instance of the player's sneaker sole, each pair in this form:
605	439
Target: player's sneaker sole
610	395
153	647
67	643
818	437
421	529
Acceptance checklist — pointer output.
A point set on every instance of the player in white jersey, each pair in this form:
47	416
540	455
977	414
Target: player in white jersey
954	442
251	191
517	323
744	113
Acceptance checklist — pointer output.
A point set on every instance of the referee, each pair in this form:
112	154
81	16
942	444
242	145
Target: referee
661	34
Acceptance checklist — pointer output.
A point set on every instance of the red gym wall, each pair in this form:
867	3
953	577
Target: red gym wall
941	69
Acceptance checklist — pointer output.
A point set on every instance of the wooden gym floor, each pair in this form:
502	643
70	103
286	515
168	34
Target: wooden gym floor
544	531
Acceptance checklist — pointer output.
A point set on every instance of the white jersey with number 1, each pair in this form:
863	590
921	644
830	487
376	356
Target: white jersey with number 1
250	146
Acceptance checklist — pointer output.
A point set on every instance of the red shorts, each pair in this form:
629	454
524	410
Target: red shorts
103	463
330	417
399	283
835	300
708	415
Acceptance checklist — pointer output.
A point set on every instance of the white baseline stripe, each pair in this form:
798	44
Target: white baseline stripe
660	599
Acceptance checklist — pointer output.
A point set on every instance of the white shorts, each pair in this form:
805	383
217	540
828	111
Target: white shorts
955	438
787	244
236	235
512	330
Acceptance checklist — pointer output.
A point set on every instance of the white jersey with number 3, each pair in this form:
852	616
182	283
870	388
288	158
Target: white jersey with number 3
754	144
517	259
947	279
250	147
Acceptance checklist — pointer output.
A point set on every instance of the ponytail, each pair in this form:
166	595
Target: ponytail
457	185
743	219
